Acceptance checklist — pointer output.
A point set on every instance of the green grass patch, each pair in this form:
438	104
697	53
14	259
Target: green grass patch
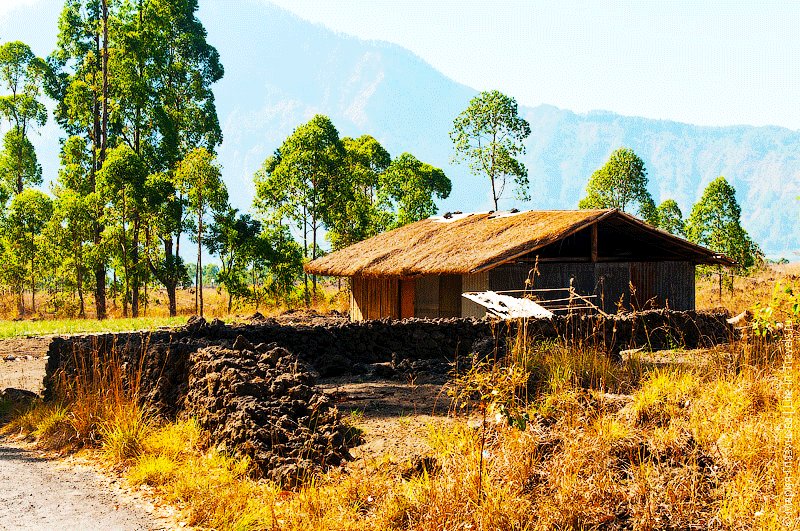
9	329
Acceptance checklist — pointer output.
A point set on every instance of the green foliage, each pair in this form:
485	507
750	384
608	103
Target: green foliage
157	102
199	179
277	266
234	238
22	242
784	306
715	223
621	183
357	214
348	187
408	187
19	166
22	76
489	136
120	187
298	183
670	218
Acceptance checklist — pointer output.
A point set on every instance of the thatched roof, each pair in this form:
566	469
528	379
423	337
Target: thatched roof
470	243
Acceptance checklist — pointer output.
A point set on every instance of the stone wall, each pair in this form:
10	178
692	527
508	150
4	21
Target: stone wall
342	348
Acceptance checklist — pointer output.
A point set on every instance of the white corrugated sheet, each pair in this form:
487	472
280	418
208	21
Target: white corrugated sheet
508	307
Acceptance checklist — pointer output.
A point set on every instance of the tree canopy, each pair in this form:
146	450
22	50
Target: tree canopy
670	218
348	189
488	135
621	183
715	222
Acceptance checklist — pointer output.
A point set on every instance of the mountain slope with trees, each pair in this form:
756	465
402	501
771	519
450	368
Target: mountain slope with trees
280	71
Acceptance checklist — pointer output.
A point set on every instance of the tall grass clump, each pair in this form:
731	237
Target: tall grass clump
96	403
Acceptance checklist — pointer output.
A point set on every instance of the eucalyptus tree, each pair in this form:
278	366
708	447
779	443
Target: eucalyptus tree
180	71
23	247
166	218
70	228
139	73
234	237
354	213
670	218
296	185
80	86
488	135
715	222
621	183
408	188
276	265
199	178
121	186
22	78
69	237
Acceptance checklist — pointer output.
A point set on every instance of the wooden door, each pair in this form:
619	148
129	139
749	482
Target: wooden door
407	296
643	286
450	296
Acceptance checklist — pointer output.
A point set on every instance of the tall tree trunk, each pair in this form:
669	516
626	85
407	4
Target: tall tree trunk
135	280
19	182
305	255
168	277
100	139
200	255
314	257
82	304
171	280
33	287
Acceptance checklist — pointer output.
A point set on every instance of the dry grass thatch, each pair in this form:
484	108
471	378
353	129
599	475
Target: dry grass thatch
477	242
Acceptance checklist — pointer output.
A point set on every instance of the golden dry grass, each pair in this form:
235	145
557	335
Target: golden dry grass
747	291
694	440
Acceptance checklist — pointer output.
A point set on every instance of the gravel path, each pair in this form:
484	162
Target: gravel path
42	494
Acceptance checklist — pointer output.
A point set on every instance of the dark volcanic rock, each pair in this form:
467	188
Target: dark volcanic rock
257	398
263	403
159	361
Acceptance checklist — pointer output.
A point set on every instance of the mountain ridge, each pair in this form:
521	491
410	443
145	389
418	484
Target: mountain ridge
281	70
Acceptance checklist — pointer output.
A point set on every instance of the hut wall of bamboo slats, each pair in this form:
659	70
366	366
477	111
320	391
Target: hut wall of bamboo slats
422	269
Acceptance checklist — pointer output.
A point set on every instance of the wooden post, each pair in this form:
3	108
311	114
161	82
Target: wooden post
594	242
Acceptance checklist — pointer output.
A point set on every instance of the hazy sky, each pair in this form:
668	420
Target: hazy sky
712	63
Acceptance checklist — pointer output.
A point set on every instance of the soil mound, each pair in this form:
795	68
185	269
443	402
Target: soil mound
262	401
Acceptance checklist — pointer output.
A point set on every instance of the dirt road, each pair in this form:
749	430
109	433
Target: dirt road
43	494
38	493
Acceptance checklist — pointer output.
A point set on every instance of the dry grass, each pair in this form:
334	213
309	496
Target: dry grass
694	442
747	291
456	246
157	310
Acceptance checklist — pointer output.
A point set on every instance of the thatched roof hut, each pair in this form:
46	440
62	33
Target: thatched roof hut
469	252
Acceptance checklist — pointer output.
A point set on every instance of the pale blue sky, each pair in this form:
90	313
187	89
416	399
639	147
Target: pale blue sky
710	63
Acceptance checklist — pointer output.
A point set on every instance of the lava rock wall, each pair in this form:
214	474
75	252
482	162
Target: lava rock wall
159	362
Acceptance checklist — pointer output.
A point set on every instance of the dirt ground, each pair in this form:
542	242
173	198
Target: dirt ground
22	362
395	416
41	491
38	492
